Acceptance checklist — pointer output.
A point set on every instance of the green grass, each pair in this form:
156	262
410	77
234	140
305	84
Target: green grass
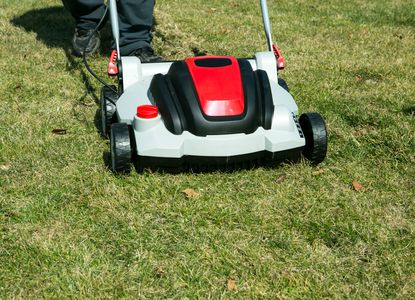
71	229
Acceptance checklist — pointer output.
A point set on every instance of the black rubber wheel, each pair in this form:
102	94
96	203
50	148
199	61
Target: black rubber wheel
315	134
108	108
121	148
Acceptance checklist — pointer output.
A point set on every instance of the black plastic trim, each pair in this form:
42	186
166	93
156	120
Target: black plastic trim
264	97
212	163
176	96
213	62
167	103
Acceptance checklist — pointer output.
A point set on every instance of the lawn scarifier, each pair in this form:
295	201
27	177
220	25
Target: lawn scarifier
205	112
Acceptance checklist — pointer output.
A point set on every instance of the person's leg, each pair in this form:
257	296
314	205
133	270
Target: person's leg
87	14
136	20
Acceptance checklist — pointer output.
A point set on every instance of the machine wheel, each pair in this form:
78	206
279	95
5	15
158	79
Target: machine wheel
108	108
315	134
121	148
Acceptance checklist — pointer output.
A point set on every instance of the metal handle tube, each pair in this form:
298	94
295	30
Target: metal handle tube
114	25
267	23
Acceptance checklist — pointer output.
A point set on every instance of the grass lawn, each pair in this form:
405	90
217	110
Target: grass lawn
71	229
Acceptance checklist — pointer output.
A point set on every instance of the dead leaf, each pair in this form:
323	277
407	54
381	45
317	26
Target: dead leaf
60	131
190	193
281	178
231	284
358	78
318	172
357	186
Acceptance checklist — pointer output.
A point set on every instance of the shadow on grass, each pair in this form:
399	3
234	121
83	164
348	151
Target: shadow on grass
54	27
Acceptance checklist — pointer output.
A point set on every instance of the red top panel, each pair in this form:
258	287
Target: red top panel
218	84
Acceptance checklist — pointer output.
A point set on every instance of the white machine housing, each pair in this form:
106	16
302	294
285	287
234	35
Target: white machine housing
153	139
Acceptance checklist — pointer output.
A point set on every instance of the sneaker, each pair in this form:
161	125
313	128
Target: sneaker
80	39
146	55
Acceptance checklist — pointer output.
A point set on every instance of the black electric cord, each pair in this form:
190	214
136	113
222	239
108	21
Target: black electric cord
86	62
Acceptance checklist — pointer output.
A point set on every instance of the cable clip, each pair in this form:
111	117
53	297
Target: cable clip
112	66
278	55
